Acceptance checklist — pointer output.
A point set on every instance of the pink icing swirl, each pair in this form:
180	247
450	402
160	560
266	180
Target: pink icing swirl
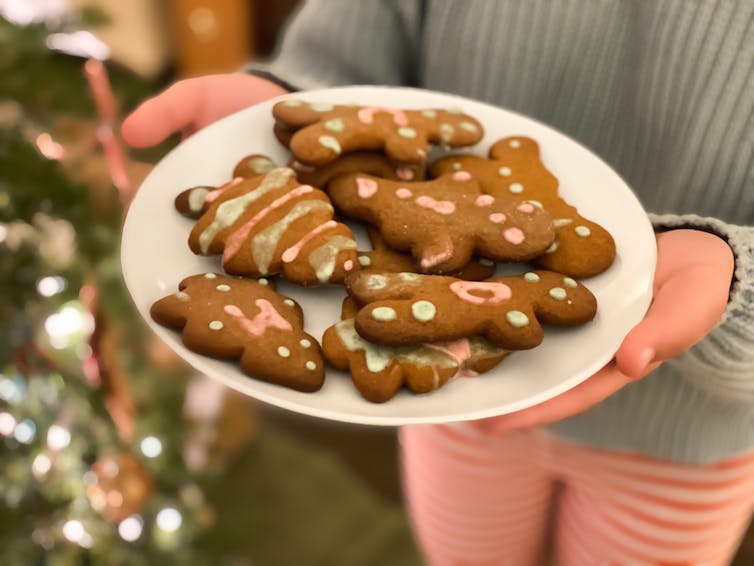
267	317
498	292
366	115
439	206
212	195
292	253
366	187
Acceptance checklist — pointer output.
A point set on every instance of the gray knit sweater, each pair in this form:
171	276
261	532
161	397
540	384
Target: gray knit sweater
663	90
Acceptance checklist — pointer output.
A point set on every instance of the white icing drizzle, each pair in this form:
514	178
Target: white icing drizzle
323	258
196	198
560	222
230	210
265	243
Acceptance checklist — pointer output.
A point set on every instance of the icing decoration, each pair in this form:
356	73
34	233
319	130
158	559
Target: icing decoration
439	206
457	166
469	127
504	171
237	238
223	288
484	200
552	248
407	132
497	217
515	144
376	282
446	131
461	176
289	302
365	260
210	276
531	277
558	293
517	319
423	311
404	173
265	243
216	325
526	207
284	352
305	343
409	277
514	235
292	253
335	125
455	110
303	168
261	165
323	258
433	259
310	365
486	262
560	222
365	188
330	143
196	198
321	106
516	188
582	231
293	102
229	211
568	282
429	113
366	115
421	153
348	265
536	203
498	292
182	296
384	314
267	317
212	195
403	192
263	281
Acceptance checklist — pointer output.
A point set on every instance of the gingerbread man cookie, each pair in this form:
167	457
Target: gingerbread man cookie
445	221
406	308
515	172
245	320
368	162
322	131
271	224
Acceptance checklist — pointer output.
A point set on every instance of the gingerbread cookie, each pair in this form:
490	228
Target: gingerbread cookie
383	258
368	162
406	308
515	172
445	221
322	132
271	224
245	320
379	371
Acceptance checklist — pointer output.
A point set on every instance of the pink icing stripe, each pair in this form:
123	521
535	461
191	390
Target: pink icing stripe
460	351
405	173
499	292
212	195
237	238
514	235
298	166
267	317
291	253
430	260
366	115
365	187
439	206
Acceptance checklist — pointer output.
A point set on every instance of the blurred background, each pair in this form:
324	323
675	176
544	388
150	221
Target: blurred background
112	451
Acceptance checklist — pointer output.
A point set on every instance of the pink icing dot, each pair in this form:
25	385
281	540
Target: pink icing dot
461	176
439	206
514	235
484	200
403	193
348	265
497	217
366	187
405	173
526	207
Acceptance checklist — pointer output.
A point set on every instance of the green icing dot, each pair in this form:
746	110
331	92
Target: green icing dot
365	260
305	343
504	171
261	165
558	293
330	143
289	302
263	281
454	110
320	106
223	288
407	132
582	231
310	365
486	262
293	102
335	125
531	277
384	314
216	325
429	113
568	282
517	318
423	311
182	296
284	352
210	276
516	188
468	126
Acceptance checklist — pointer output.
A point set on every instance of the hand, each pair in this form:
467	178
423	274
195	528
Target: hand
691	287
191	104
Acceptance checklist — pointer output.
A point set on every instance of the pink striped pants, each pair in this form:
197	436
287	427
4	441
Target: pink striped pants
478	499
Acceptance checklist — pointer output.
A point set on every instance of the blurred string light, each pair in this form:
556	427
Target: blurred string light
130	528
25	431
25	12
50	286
169	519
75	532
79	43
70	321
58	437
41	465
48	147
151	447
7	424
10	391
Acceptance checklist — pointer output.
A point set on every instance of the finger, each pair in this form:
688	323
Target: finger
574	401
170	111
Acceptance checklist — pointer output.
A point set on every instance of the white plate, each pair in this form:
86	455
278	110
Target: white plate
155	257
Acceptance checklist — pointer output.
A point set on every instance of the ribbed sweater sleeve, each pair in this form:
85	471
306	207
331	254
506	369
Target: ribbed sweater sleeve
339	42
723	363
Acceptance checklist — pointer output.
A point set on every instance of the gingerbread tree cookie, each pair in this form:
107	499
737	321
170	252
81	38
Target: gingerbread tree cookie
445	221
322	131
271	224
406	308
245	320
515	172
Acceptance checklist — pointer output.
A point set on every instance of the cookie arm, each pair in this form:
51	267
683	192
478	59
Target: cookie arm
328	42
723	362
